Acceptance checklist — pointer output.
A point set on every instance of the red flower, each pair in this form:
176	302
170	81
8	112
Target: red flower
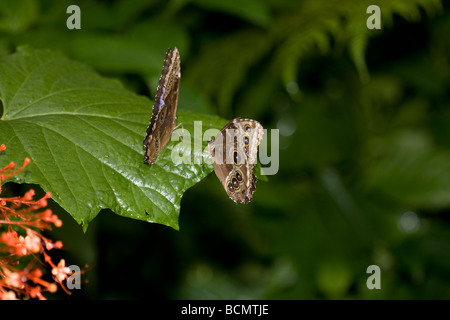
21	218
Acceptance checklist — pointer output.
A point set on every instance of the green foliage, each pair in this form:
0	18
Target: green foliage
364	150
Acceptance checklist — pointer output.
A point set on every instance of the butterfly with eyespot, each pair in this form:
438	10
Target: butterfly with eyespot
164	115
233	152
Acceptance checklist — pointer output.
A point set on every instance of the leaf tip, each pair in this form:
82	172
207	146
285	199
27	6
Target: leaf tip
84	226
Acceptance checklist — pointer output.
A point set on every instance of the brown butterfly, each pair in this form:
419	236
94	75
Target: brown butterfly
164	116
233	152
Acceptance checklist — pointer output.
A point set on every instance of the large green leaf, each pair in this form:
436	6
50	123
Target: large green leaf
84	133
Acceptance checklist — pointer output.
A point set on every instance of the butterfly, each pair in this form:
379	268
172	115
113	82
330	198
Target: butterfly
233	152
164	114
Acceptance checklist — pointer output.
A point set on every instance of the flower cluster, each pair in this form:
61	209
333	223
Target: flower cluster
21	243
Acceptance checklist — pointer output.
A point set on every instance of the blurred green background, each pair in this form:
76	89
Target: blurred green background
364	120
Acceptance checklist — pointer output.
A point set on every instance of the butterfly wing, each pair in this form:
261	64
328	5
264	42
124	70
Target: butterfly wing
234	153
163	119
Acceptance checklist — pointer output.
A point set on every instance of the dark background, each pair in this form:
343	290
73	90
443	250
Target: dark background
364	120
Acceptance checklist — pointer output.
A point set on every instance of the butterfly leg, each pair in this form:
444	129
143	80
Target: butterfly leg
182	130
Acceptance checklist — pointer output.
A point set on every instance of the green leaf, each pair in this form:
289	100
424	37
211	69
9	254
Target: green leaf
84	133
357	46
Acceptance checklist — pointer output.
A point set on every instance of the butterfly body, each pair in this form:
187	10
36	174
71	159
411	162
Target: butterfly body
234	152
163	120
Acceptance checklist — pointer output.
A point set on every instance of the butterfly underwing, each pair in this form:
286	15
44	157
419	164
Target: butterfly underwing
234	152
164	115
